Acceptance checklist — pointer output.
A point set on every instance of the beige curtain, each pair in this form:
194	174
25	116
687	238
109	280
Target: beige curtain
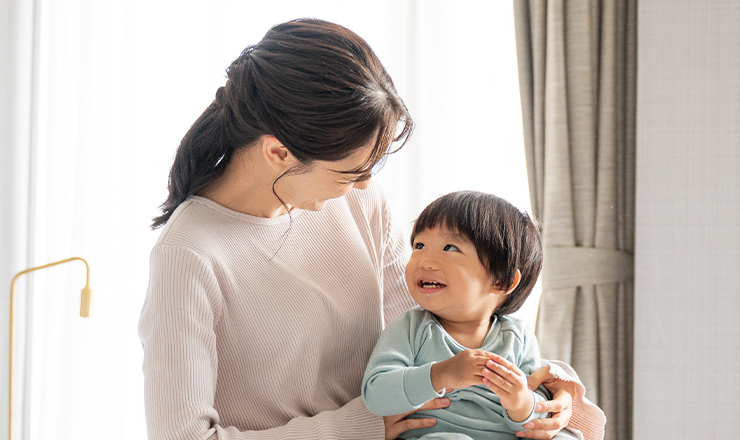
577	64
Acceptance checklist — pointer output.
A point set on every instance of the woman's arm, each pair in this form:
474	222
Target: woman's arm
569	407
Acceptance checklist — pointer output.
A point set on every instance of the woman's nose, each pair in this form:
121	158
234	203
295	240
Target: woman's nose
362	184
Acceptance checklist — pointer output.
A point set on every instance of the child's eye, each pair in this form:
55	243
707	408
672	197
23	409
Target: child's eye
451	248
418	245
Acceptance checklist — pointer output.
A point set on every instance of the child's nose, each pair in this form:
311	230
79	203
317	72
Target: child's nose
427	263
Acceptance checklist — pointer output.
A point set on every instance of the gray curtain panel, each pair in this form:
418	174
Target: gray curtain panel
577	64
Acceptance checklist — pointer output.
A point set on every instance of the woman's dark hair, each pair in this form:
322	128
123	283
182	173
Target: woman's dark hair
316	86
505	238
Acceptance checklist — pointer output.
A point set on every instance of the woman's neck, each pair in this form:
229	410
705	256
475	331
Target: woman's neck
246	186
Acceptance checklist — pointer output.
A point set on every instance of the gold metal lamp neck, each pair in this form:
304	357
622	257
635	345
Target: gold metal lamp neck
85	312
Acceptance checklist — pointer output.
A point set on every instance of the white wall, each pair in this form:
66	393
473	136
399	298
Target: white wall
687	279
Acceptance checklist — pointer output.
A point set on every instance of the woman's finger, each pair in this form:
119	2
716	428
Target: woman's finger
440	402
537	434
538	376
550	406
396	425
561	401
555	423
405	424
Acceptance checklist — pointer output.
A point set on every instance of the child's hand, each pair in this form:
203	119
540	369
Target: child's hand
510	385
460	371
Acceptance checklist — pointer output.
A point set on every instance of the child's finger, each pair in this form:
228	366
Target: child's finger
493	387
496	359
495	383
511	375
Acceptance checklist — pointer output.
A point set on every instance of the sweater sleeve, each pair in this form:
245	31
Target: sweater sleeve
588	420
180	357
352	421
392	383
180	365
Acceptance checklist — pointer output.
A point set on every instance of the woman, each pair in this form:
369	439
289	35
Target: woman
275	273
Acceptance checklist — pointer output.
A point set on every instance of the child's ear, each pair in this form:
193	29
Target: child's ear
276	154
497	286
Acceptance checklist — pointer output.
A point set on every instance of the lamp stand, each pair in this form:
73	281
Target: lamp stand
85	312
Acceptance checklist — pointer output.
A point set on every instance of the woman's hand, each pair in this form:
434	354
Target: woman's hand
395	425
560	406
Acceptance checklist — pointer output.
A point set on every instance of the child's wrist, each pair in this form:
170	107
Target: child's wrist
524	411
437	376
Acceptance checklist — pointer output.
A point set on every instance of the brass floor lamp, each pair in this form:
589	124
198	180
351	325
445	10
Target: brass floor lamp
85	311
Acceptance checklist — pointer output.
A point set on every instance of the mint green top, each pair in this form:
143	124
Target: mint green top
397	378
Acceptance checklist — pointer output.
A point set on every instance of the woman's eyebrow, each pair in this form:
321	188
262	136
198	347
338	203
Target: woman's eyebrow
357	174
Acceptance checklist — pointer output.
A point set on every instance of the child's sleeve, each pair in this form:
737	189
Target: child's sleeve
392	383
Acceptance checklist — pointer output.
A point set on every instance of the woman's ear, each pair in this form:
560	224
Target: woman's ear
276	154
497	286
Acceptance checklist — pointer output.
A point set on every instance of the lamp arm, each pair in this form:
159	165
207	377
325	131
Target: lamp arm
84	306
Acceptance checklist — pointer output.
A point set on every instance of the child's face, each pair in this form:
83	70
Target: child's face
445	277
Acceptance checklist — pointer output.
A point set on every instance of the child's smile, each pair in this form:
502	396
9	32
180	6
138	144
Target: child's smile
428	286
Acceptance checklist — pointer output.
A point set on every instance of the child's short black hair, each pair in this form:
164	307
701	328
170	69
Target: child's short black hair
505	238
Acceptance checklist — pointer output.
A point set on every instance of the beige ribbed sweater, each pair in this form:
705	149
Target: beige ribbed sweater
260	328
255	323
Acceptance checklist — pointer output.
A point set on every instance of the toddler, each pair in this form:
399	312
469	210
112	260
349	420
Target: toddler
475	260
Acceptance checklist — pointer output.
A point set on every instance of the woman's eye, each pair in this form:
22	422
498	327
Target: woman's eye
451	248
418	245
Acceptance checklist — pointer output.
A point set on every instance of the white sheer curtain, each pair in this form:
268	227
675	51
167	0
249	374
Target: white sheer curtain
117	84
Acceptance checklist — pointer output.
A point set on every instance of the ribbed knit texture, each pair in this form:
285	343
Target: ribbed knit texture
588	420
260	328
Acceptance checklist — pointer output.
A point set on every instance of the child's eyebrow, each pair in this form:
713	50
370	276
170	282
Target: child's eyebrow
460	237
454	235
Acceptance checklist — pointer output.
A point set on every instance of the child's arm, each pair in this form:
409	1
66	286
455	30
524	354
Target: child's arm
510	385
393	384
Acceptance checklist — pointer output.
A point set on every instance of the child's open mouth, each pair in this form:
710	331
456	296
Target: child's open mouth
427	284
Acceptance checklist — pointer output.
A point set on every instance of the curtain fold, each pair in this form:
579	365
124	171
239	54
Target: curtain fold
577	68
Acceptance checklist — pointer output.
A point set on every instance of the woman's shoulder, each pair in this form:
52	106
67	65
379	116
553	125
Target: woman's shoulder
199	221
